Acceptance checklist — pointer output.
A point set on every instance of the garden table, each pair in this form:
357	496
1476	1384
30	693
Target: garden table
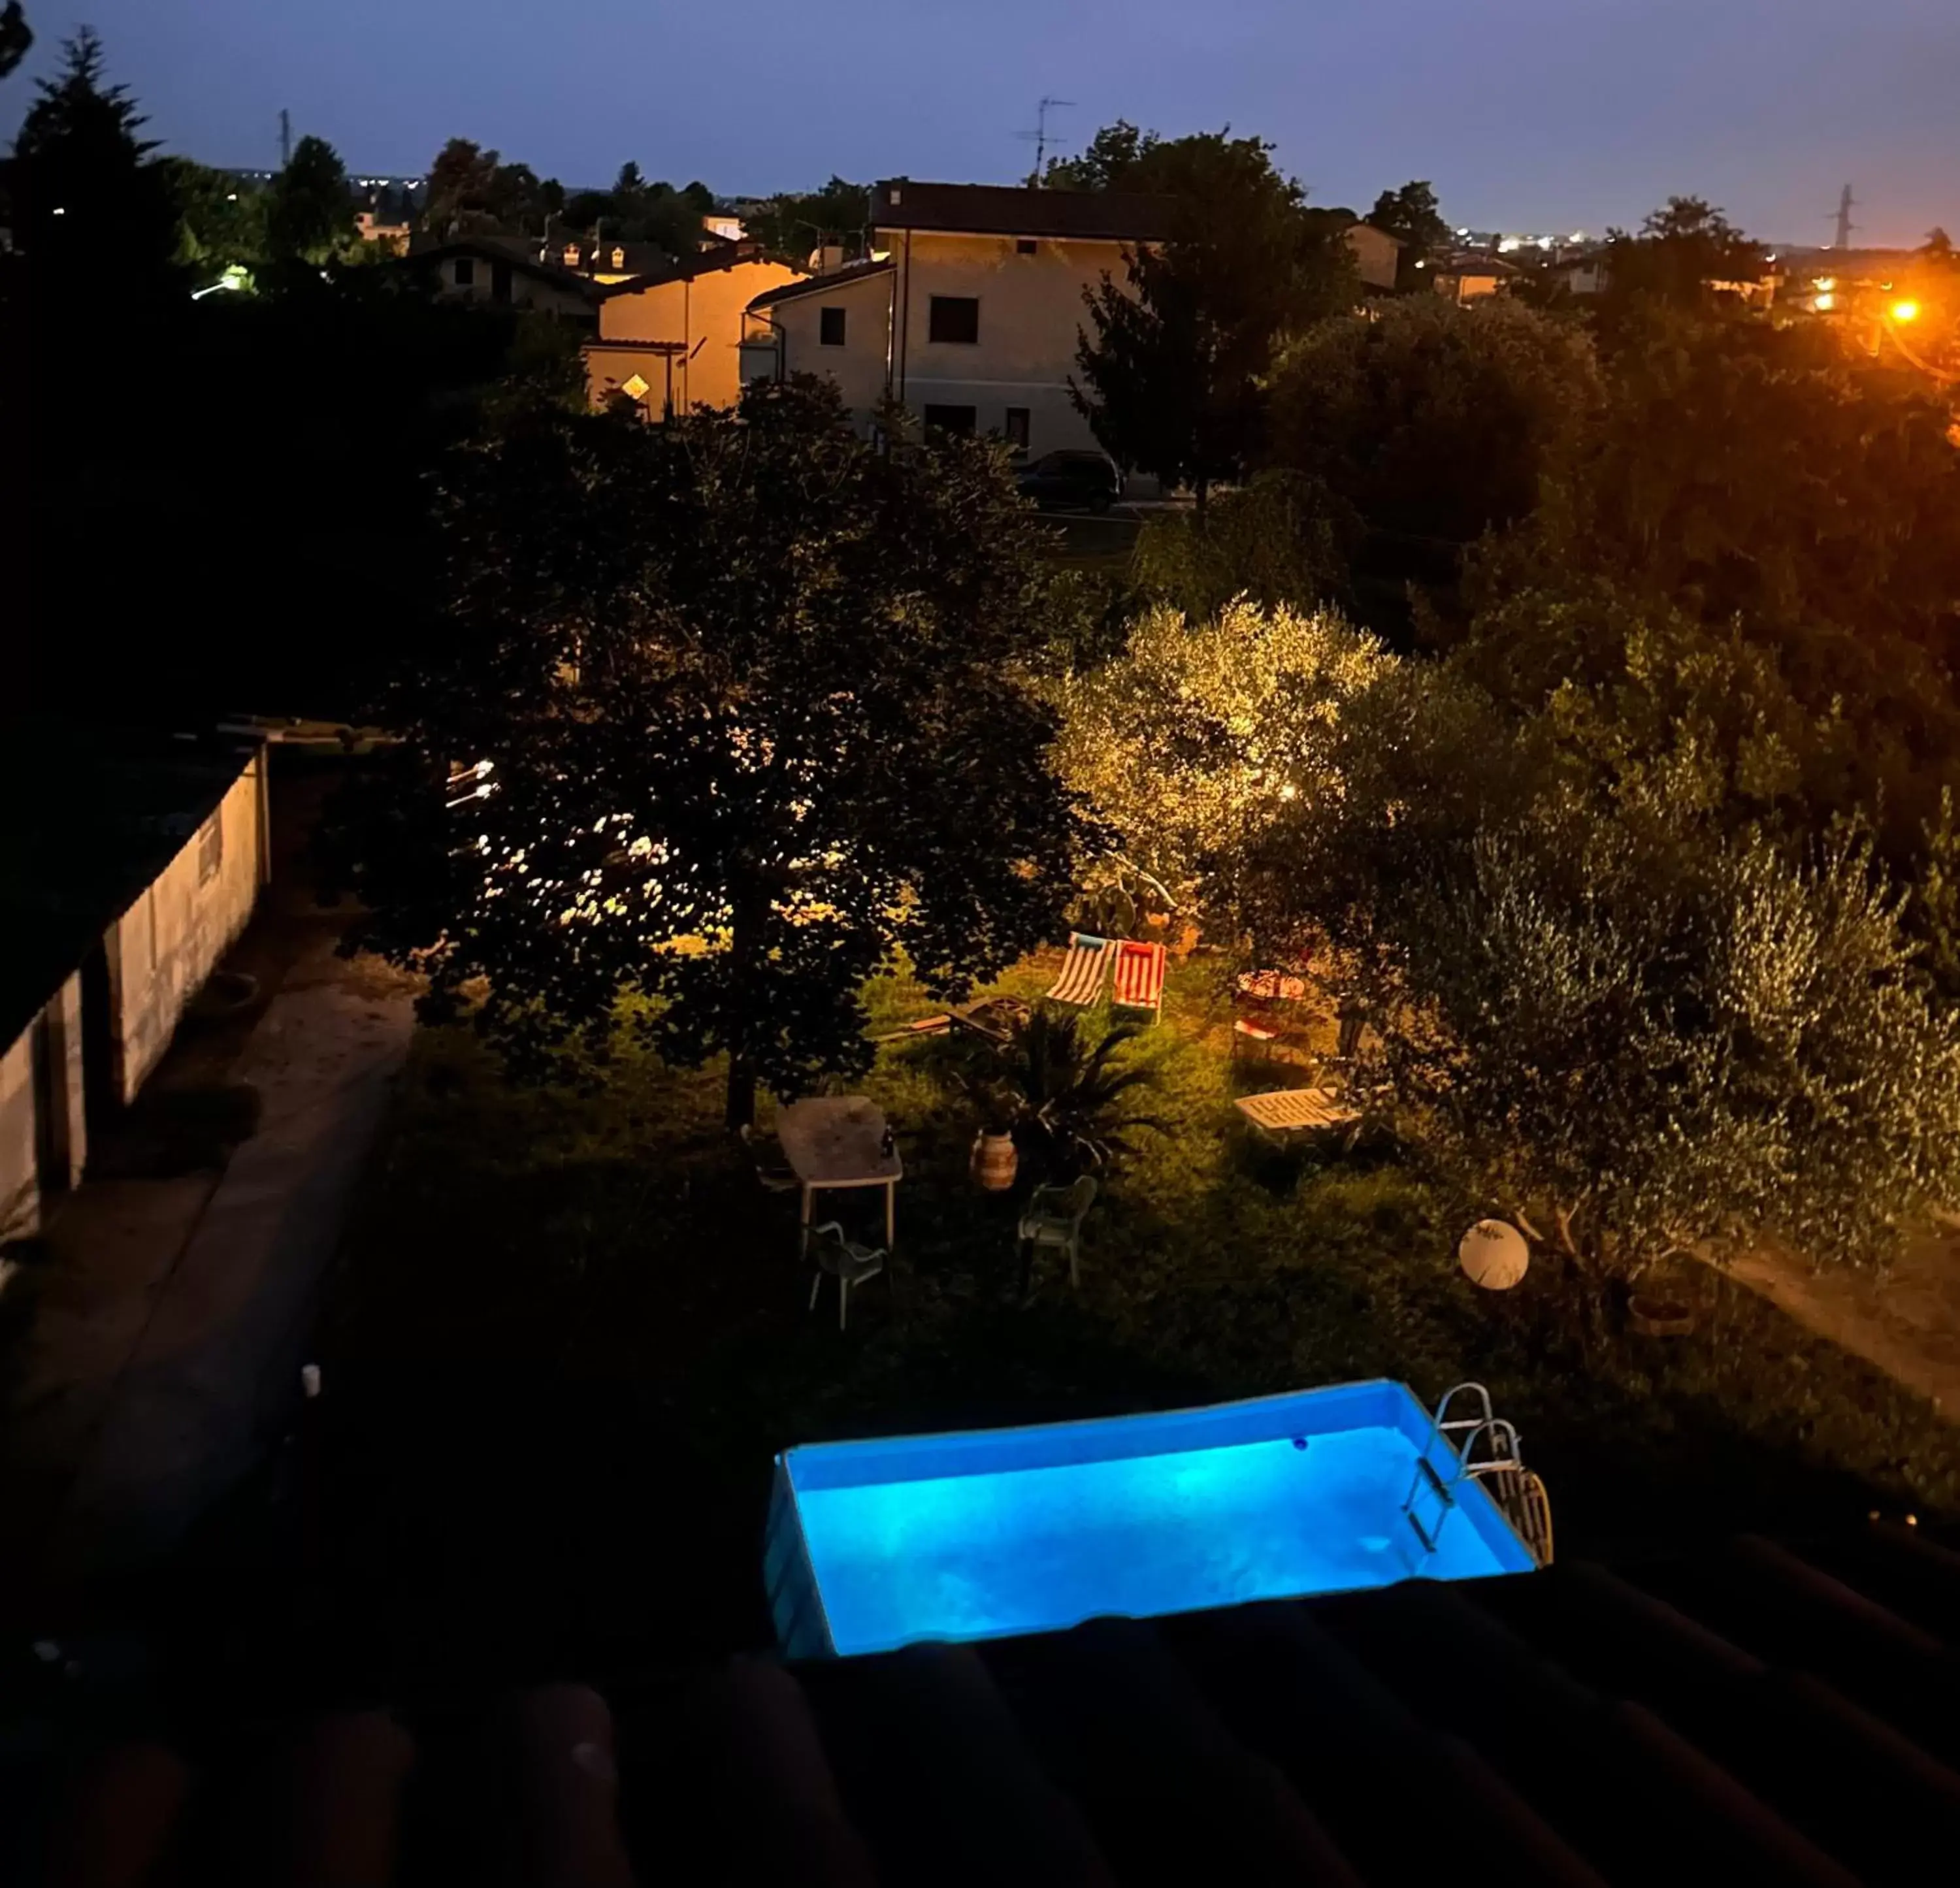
1286	1111
837	1141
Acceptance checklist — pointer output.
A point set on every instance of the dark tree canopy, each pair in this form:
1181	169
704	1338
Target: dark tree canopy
753	693
86	190
1680	252
1412	214
1432	422
309	209
789	227
1173	362
470	188
16	37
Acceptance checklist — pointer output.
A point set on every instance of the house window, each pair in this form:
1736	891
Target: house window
210	849
466	272
1025	246
955	318
1017	428
830	327
950	419
571	255
619	258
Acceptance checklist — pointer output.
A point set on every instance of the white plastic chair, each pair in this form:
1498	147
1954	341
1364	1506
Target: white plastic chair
844	1260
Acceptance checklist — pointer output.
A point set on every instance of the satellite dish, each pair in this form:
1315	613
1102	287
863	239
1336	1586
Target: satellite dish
1494	1254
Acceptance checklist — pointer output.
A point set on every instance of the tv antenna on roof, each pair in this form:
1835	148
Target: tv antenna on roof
1038	136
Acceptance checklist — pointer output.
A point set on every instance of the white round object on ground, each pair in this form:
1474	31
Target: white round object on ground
1494	1254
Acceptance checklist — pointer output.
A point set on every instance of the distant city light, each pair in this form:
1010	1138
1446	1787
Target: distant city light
1827	283
1824	304
1507	243
59	211
1906	310
1579	236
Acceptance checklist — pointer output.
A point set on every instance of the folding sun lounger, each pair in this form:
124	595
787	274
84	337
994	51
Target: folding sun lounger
1082	970
1139	977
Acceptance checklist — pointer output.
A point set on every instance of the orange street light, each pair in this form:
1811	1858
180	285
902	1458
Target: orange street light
1906	310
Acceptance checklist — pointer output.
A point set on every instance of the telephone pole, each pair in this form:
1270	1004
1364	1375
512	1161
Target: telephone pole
285	137
1845	226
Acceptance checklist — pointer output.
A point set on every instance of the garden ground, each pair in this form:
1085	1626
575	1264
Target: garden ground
570	1333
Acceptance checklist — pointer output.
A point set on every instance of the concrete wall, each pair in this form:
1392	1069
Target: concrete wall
163	947
20	1153
1030	311
707	310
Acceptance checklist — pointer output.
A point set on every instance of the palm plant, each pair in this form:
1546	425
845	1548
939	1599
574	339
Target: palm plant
1068	1099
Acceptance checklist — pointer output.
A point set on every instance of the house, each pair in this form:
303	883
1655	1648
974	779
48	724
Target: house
672	340
1377	254
505	272
970	310
391	238
128	868
1468	276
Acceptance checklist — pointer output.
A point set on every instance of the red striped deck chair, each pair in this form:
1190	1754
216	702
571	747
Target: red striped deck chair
1139	977
1082	970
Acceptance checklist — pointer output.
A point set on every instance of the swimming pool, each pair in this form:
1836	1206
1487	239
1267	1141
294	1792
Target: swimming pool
872	1545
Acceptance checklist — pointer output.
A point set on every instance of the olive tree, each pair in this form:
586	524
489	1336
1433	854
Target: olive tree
1188	738
1601	1000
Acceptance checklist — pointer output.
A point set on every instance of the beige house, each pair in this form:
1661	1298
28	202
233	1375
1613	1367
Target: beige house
674	341
130	869
970	311
1377	255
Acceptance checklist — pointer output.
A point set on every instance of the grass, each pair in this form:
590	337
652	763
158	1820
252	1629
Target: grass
571	1334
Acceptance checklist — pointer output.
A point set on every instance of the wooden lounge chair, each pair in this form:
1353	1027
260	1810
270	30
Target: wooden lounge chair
1139	977
1083	970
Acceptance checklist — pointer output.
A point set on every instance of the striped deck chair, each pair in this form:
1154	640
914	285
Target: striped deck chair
1082	970
1139	977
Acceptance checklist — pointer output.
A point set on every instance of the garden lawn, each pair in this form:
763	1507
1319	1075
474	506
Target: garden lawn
570	1333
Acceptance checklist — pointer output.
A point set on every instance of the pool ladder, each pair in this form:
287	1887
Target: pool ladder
1433	1490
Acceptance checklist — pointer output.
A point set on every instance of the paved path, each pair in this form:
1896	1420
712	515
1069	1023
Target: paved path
165	1350
1907	1322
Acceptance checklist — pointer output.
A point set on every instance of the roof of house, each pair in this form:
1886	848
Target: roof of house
503	249
1747	1714
686	269
823	284
986	209
89	818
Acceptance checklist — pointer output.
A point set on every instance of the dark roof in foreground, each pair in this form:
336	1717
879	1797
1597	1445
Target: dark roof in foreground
819	284
1750	1716
987	209
493	248
89	818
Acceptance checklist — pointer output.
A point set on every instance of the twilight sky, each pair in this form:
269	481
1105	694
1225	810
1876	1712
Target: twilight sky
1527	114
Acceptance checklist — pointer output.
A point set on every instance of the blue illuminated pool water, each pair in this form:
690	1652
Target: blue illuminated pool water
875	1544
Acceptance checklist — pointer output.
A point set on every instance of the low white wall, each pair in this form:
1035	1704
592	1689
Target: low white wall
168	942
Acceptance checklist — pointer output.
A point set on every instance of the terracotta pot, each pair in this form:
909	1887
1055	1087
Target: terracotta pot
1659	1317
994	1161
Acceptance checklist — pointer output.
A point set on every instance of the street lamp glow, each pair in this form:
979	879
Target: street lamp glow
1906	310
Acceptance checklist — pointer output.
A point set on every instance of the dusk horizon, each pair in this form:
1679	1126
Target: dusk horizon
1524	119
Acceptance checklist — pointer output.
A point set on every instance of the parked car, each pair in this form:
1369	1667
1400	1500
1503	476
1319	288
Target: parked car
1070	481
